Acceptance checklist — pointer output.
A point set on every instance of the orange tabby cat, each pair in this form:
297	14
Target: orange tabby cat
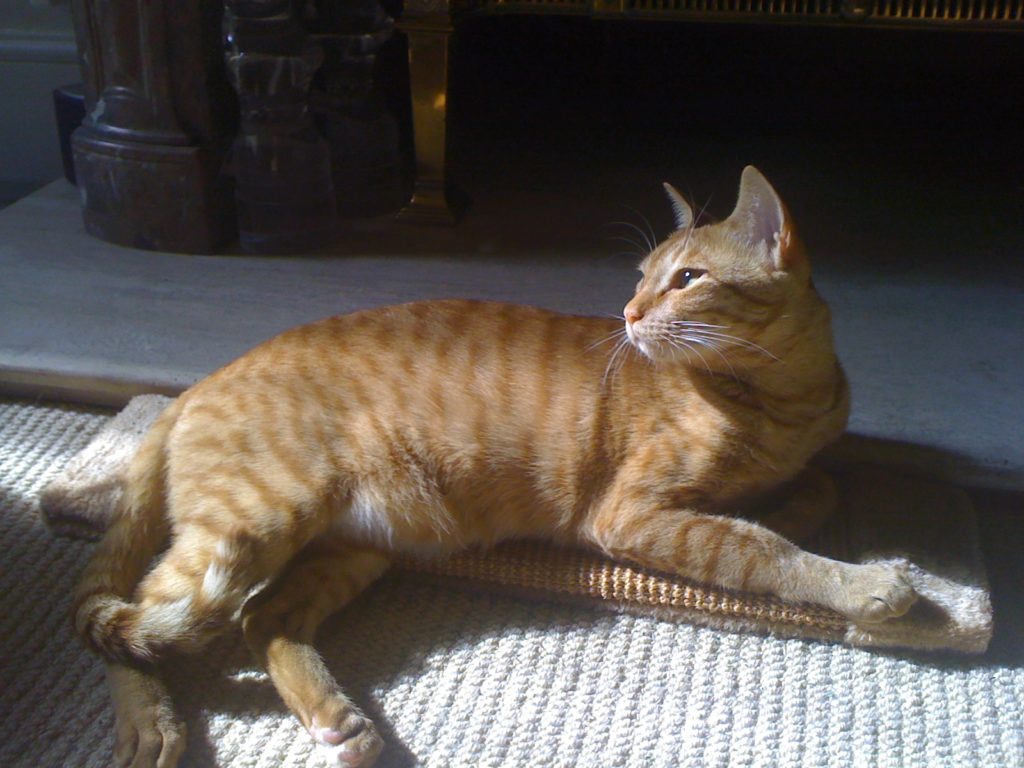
286	481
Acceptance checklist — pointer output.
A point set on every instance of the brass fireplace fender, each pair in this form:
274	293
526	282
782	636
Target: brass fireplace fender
428	25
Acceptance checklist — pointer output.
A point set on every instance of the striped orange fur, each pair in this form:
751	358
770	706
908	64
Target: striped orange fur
296	472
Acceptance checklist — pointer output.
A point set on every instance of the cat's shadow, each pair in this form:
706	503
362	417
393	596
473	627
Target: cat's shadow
384	639
398	630
407	626
1000	532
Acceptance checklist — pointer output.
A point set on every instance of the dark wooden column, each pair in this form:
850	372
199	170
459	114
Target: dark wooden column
159	116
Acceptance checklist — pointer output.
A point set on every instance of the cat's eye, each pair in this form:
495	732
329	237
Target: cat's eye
684	277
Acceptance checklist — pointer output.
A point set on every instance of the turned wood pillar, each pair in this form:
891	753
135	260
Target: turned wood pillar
149	155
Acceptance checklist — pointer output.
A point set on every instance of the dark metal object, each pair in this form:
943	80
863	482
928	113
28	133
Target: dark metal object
1007	15
855	10
282	168
69	110
429	25
362	133
149	154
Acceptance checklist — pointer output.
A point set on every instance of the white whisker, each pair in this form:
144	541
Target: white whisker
737	341
694	222
716	350
677	341
703	208
617	333
626	351
640	248
695	324
623	343
647	223
635	228
700	329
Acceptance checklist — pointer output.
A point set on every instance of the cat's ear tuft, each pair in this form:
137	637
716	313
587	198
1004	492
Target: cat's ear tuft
680	208
761	218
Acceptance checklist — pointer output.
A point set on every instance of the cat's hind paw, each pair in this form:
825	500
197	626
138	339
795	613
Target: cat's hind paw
147	732
351	741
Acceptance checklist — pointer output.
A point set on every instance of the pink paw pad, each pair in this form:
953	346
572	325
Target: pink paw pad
327	736
330	742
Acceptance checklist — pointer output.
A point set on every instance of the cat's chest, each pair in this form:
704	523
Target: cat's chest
724	453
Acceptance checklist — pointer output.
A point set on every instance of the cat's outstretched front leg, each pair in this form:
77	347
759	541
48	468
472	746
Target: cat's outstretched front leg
279	627
741	555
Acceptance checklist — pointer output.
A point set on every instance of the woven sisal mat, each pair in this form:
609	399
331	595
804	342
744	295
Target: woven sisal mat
883	515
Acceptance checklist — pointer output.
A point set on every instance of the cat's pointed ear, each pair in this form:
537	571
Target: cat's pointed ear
761	218
680	208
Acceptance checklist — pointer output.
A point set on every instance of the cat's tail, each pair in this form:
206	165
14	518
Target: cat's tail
138	532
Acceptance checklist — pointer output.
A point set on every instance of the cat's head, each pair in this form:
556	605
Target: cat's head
723	296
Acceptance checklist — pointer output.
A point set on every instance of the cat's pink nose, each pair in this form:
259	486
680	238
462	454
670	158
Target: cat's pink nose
632	315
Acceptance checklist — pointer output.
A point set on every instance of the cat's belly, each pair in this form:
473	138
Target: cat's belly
434	519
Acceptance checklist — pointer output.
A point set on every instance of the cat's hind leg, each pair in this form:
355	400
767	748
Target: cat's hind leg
191	594
148	732
279	626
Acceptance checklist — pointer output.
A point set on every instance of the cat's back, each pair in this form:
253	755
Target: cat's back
433	328
466	366
426	332
464	339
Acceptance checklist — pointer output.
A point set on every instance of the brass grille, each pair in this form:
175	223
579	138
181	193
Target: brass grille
962	14
524	6
951	10
755	7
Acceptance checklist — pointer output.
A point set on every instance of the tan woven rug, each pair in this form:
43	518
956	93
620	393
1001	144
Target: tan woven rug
883	515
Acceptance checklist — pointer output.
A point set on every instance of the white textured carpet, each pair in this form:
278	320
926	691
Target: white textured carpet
460	680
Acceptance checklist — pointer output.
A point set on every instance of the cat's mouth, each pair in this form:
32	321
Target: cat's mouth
638	342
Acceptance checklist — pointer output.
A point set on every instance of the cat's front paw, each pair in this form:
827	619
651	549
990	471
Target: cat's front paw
349	740
878	592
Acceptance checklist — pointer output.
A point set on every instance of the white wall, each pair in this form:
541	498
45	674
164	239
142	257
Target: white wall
37	54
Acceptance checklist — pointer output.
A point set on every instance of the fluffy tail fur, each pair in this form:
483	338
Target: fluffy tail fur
138	532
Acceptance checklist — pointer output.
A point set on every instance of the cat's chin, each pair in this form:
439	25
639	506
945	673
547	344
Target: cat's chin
637	342
649	351
659	354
